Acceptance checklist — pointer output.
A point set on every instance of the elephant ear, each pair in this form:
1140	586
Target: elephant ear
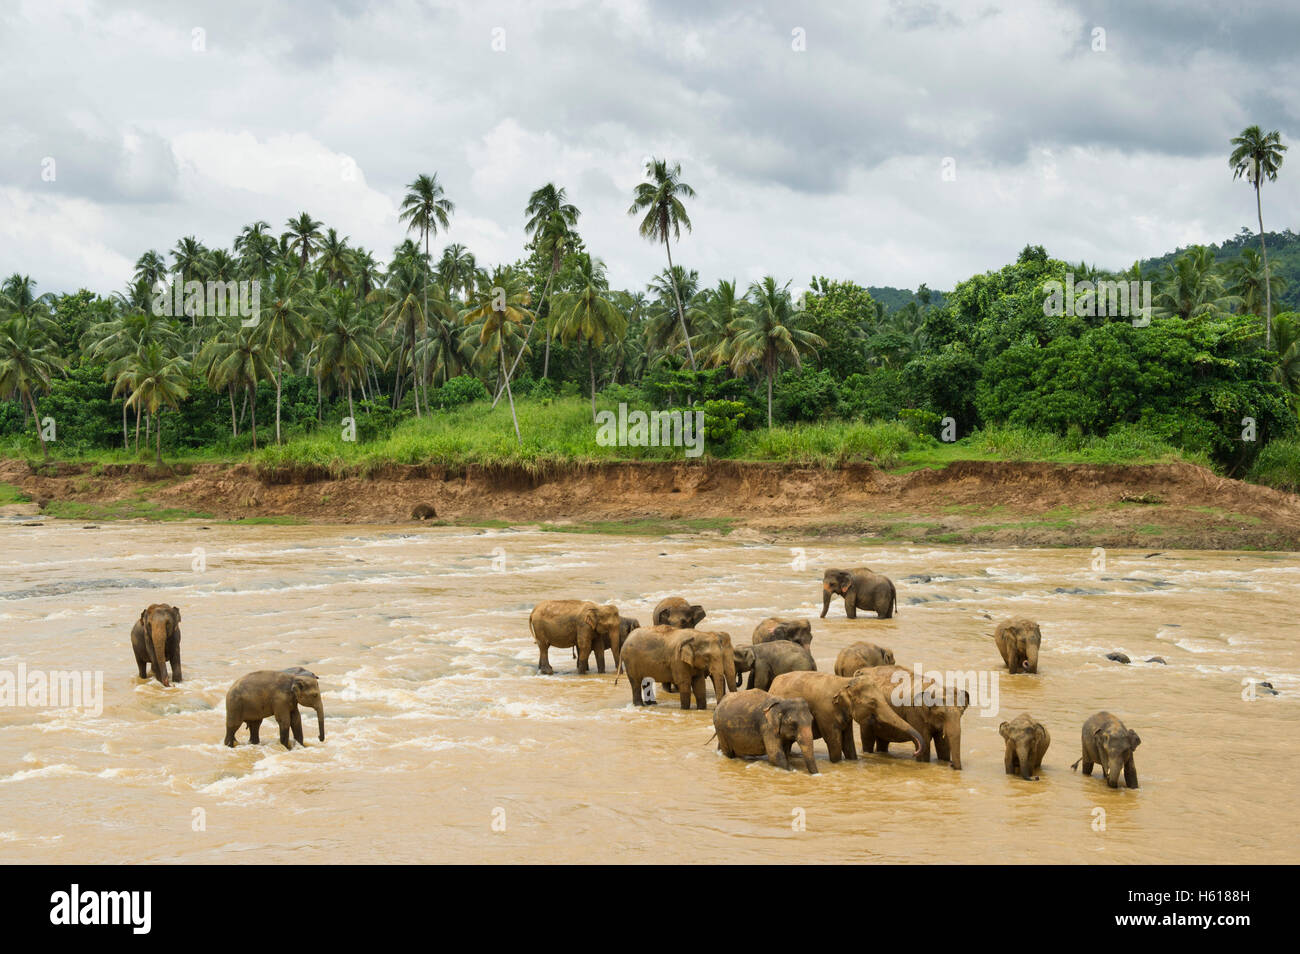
963	699
697	613
144	617
1134	739
589	617
686	651
176	615
841	699
660	615
1002	730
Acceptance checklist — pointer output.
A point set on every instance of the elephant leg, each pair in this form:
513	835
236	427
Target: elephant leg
684	693
850	606
635	681
923	753
1009	759
697	686
232	726
868	738
254	727
833	739
584	653
285	723
140	664
941	748
600	659
543	664
176	664
846	734
295	723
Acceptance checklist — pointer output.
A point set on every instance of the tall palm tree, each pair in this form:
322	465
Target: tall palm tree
1258	156
768	333
402	307
364	272
303	237
119	339
190	259
499	305
663	331
347	347
425	209
551	226
661	201
27	363
157	380
1191	286
150	268
456	270
334	257
586	312
236	359
1287	371
282	326
1248	279
257	249
715	316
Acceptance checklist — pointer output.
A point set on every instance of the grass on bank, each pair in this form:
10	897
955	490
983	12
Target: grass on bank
560	431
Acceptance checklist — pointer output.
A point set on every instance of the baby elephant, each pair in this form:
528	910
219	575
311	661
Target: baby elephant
751	722
265	693
1027	743
156	639
1107	742
862	656
1017	640
776	658
778	627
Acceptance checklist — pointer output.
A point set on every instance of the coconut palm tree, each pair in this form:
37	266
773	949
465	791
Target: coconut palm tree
551	227
1258	156
425	209
714	318
402	308
347	347
190	259
117	340
282	326
364	272
334	257
498	305
302	238
236	359
257	249
1247	278
1191	286
27	363
663	330
157	379
768	333
150	268
661	201
586	312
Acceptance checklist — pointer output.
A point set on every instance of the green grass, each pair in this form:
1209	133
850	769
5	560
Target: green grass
560	431
1278	465
120	510
9	494
645	527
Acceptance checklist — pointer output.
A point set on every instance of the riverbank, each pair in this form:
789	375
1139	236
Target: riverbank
1166	505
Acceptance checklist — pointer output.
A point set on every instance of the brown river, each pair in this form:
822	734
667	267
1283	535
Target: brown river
443	744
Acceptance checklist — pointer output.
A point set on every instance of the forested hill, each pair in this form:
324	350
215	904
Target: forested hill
895	298
1283	261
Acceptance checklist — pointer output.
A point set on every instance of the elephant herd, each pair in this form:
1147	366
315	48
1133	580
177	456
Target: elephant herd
788	700
156	641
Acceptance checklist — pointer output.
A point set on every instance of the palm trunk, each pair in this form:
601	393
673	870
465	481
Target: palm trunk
769	399
158	439
1268	290
126	438
519	357
279	374
681	313
351	413
45	450
253	402
509	394
234	424
591	371
137	428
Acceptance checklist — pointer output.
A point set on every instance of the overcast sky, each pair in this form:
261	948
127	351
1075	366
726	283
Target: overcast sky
814	133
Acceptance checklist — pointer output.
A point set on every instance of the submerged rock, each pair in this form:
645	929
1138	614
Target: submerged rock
1119	658
1160	660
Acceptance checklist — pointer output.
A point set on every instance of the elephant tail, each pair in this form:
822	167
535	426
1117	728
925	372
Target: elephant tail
1075	766
893	595
619	669
712	737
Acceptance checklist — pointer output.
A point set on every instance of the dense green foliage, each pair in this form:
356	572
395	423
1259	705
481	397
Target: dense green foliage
426	355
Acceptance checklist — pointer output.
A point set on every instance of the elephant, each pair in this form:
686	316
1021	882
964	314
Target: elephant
156	639
744	656
752	722
1017	640
1109	743
681	657
862	656
1027	742
930	709
861	589
625	625
265	693
776	658
577	623
780	627
676	612
836	703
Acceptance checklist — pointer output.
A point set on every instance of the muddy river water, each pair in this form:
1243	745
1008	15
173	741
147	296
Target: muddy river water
444	744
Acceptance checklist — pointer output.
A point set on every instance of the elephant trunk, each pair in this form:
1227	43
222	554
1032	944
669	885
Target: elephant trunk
719	677
1022	753
888	716
805	739
826	599
1031	659
1112	772
952	731
158	640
